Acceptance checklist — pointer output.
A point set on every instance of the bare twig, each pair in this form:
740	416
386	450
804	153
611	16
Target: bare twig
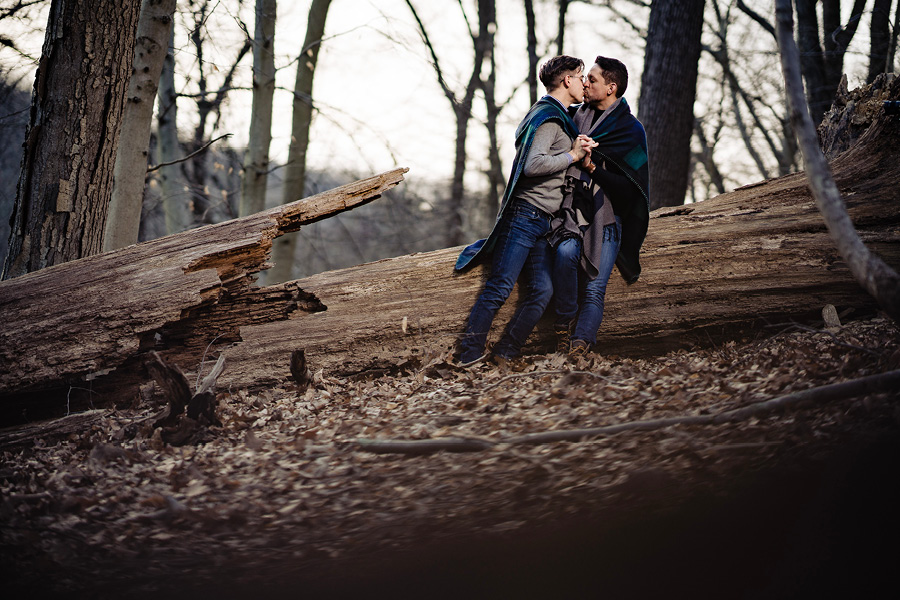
189	156
884	382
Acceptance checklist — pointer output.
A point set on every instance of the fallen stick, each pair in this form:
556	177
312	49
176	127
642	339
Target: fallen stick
884	382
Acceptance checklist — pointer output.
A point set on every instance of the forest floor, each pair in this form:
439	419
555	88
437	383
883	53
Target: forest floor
283	501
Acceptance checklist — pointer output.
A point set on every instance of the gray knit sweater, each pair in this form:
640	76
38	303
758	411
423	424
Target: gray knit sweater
545	168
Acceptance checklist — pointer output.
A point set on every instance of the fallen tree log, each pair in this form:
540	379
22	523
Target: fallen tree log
758	253
87	326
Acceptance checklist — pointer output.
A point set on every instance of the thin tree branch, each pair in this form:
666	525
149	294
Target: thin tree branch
884	382
189	156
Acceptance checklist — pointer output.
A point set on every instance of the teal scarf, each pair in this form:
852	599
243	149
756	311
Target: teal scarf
544	110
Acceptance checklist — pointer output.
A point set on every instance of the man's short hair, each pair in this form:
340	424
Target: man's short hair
554	70
613	71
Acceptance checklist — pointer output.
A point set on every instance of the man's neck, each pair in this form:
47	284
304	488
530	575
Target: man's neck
562	94
605	103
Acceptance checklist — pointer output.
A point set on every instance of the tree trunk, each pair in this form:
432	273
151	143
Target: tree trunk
879	39
76	115
668	86
462	110
175	202
876	277
490	203
176	294
130	172
530	27
822	61
295	170
256	161
758	255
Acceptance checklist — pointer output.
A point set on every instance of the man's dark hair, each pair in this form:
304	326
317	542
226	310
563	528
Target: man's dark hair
554	70
615	72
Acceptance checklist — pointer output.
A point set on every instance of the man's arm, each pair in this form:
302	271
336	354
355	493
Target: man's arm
541	161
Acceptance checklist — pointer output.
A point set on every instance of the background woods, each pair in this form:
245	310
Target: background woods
237	129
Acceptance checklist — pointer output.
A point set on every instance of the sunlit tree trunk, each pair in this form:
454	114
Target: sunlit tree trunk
295	170
256	161
175	201
70	145
668	89
130	173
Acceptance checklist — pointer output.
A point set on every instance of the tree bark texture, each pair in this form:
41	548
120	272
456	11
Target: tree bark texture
130	172
301	120
256	161
175	294
668	86
73	132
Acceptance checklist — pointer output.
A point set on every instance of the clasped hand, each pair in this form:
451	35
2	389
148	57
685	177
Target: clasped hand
581	147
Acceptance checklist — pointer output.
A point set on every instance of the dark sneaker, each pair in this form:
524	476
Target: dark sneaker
579	348
563	334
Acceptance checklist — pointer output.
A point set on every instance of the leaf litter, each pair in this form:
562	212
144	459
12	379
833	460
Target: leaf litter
283	486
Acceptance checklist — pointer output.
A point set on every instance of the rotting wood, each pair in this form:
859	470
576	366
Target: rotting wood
187	416
76	322
884	382
24	436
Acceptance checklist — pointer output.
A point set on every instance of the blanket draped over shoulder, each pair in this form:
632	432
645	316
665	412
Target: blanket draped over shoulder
544	110
623	142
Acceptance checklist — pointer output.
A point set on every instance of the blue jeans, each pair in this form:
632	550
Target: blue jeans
523	226
591	314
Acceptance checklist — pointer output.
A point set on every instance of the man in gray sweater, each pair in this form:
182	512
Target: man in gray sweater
547	142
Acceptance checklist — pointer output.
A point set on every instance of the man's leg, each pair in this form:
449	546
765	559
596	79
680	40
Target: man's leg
539	291
520	232
591	314
565	281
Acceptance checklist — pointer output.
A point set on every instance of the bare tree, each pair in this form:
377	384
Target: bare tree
668	87
256	161
175	203
295	172
870	271
130	172
73	132
461	105
209	98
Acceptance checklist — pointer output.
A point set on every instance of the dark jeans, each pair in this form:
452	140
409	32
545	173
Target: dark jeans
523	227
591	314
